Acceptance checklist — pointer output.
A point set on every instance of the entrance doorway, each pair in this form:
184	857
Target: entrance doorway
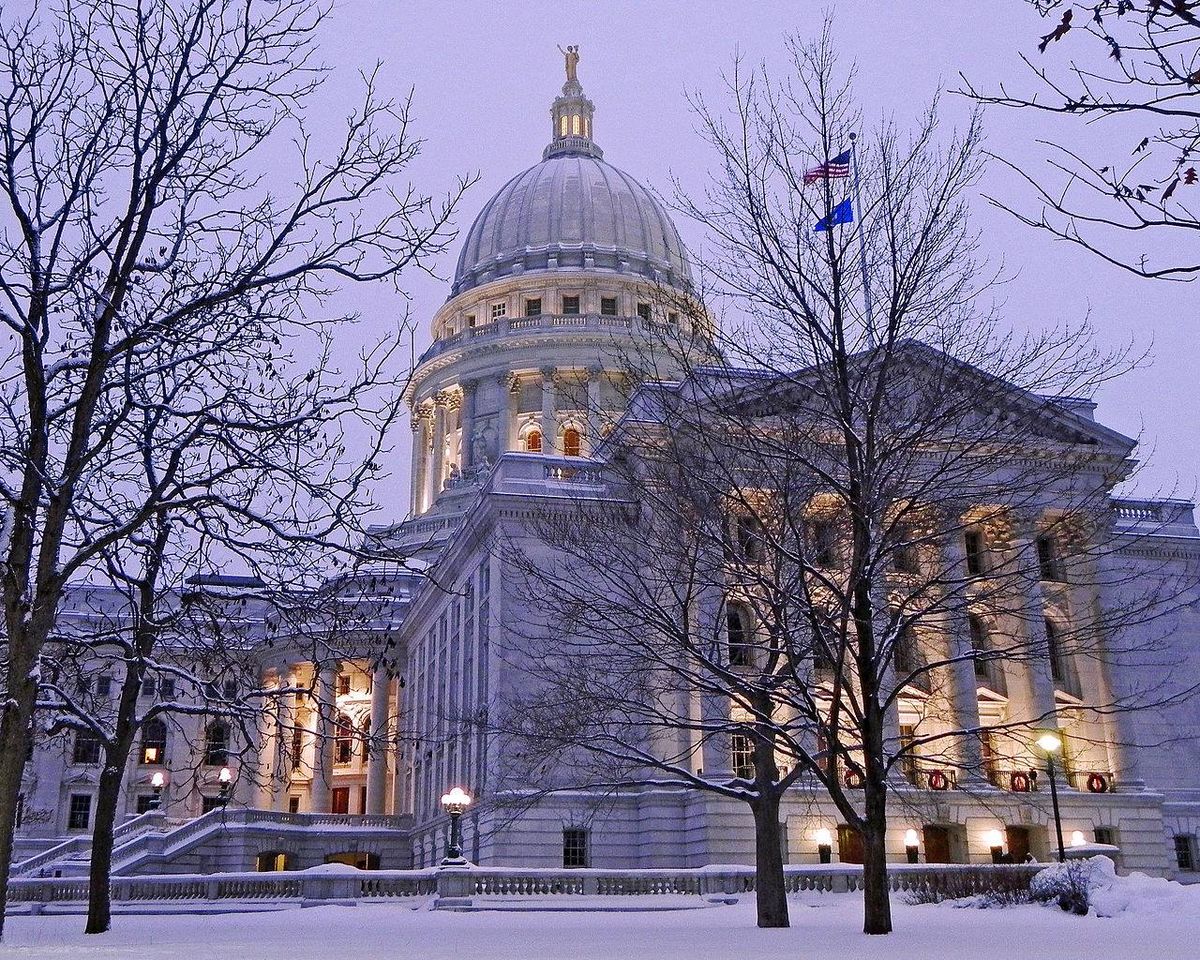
850	845
271	860
945	843
340	800
1023	841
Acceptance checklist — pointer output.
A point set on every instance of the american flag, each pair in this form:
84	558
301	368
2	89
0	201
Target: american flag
834	169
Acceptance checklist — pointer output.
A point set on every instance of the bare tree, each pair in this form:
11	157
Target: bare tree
1131	71
878	502
142	238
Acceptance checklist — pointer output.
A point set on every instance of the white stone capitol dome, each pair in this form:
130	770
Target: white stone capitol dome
572	212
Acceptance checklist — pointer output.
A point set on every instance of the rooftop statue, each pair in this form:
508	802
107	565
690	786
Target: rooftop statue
571	56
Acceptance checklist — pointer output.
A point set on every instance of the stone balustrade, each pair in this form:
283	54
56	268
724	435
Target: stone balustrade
461	883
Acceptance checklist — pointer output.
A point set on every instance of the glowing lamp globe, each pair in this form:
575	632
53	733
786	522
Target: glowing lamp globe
456	800
1050	742
158	780
910	838
225	775
994	838
1078	839
824	837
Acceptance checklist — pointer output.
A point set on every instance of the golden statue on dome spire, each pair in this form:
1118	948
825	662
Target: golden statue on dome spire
571	58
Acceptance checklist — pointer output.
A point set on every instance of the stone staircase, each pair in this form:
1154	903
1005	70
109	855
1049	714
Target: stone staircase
225	839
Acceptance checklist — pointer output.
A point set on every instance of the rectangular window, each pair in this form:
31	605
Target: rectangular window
570	305
1185	851
104	686
1106	835
608	306
822	546
147	686
166	687
1048	565
297	747
470	320
575	847
499	310
904	649
293	804
209	804
343	684
87	748
230	689
976	558
79	813
906	557
643	311
987	754
908	756
533	307
741	756
673	318
979	646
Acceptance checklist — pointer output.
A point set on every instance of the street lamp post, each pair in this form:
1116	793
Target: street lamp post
455	802
158	781
824	845
225	779
1051	742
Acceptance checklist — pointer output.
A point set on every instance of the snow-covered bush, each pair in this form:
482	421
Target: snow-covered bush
1067	884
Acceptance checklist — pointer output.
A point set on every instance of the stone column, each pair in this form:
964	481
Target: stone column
401	801
421	427
1041	711
285	720
549	419
593	407
324	677
377	762
466	451
967	753
510	391
269	755
437	471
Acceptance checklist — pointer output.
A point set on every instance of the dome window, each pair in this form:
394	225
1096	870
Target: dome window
533	307
499	310
570	305
643	311
576	125
608	306
531	441
562	125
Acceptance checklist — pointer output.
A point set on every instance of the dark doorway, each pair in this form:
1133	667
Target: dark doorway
272	860
850	845
937	845
1019	846
355	858
340	800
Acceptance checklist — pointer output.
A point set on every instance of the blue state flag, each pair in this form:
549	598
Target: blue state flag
842	213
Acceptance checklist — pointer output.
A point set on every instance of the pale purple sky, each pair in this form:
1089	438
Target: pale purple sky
484	74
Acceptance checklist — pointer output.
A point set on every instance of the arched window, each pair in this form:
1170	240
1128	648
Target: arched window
154	741
532	440
737	633
572	442
343	742
576	126
216	744
562	125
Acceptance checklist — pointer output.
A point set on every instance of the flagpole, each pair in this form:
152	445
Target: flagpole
862	243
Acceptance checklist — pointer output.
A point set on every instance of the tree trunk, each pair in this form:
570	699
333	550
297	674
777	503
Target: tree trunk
99	917
770	894
877	904
14	745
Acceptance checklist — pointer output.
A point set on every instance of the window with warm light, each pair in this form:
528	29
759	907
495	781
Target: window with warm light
154	742
343	743
533	441
572	443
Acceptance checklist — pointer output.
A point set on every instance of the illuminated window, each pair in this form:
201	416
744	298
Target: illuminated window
572	442
562	125
576	125
343	743
343	685
154	741
533	441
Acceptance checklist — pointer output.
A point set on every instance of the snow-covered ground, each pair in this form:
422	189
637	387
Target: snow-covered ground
822	926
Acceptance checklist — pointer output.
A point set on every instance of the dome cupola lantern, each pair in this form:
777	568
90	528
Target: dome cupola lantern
571	115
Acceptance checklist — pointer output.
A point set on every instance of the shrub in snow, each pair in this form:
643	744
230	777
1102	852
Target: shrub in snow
1067	884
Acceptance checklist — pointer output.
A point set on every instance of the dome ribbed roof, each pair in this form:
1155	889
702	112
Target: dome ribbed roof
572	212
